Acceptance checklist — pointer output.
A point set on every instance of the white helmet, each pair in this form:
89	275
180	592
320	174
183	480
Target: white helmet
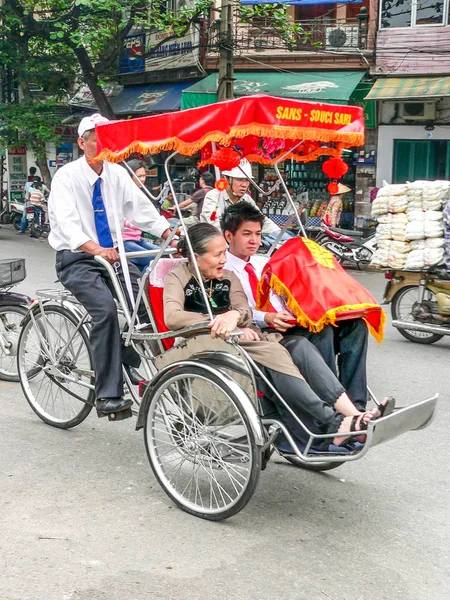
237	173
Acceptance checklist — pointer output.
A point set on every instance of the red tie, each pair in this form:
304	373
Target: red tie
253	279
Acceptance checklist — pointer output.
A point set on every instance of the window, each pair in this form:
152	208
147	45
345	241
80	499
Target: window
420	159
413	13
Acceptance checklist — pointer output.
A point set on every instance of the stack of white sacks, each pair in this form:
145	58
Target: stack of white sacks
410	231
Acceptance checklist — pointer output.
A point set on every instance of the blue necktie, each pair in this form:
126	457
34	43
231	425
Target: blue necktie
101	220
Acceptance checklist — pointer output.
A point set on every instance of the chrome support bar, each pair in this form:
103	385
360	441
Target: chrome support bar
426	328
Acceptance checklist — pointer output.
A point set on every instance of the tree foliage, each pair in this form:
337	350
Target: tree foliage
51	44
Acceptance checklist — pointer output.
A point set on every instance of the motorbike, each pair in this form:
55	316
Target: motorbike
17	212
420	303
347	245
38	228
13	308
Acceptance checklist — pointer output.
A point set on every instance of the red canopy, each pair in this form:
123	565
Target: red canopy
225	123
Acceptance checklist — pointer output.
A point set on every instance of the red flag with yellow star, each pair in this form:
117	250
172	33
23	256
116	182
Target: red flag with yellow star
316	289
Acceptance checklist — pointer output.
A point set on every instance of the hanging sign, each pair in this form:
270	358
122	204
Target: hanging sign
17	173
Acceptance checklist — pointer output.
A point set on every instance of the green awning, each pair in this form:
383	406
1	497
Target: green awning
325	86
404	88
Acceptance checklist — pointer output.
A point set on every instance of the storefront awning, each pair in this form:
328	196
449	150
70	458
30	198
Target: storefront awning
144	99
335	86
401	88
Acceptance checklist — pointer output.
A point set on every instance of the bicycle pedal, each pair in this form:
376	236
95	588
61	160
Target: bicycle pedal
126	413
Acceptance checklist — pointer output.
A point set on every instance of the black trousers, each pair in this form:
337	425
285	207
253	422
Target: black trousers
312	400
91	285
345	344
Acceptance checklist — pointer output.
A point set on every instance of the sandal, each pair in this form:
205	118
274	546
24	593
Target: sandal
386	408
355	420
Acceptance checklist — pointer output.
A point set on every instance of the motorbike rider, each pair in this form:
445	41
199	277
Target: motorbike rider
239	179
347	342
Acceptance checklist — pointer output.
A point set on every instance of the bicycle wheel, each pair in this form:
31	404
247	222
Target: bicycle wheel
10	319
402	307
51	350
200	443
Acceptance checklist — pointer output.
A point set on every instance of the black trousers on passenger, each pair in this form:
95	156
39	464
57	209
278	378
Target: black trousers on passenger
89	282
311	400
345	344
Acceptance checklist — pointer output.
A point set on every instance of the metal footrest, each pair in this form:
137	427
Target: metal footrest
409	418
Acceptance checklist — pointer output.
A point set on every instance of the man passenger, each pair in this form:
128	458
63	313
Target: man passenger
242	227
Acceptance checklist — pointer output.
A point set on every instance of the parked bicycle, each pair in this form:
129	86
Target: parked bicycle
13	308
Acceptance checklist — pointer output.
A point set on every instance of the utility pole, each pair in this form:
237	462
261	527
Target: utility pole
225	88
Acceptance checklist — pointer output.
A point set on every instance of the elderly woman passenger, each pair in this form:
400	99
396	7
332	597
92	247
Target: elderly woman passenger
184	305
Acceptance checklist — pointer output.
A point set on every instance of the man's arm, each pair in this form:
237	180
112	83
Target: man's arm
140	211
63	213
210	206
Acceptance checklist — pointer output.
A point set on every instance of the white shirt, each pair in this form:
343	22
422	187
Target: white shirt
237	265
70	209
211	204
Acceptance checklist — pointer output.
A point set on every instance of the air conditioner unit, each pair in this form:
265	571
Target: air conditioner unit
417	111
341	37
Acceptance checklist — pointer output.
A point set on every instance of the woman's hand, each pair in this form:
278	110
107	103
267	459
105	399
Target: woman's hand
249	335
281	321
224	324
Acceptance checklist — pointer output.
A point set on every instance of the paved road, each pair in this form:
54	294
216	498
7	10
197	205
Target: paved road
83	518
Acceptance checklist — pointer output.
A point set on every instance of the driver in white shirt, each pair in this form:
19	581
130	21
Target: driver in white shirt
81	228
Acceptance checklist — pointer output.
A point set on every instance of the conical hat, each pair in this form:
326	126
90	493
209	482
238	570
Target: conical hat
343	189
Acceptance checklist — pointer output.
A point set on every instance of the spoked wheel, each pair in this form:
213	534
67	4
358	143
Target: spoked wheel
200	443
318	466
402	310
10	319
52	350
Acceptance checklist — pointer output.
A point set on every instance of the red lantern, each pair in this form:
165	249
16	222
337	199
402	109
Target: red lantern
335	168
221	184
225	159
333	188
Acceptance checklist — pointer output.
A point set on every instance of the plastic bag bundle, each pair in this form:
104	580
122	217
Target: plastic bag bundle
415	230
398	227
393	189
435	194
417	245
397	204
434	229
385	218
380	257
379	206
415	260
414	195
415	215
401	247
431	243
433	256
397	260
383	232
433	215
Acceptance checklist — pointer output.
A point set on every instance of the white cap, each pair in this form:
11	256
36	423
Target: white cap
90	122
237	173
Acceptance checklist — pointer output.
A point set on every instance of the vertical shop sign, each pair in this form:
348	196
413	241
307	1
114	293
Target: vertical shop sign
17	172
131	60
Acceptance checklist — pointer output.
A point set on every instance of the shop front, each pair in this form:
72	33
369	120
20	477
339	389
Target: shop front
414	130
306	181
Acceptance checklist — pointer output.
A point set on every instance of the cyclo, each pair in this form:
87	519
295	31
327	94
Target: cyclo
205	434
